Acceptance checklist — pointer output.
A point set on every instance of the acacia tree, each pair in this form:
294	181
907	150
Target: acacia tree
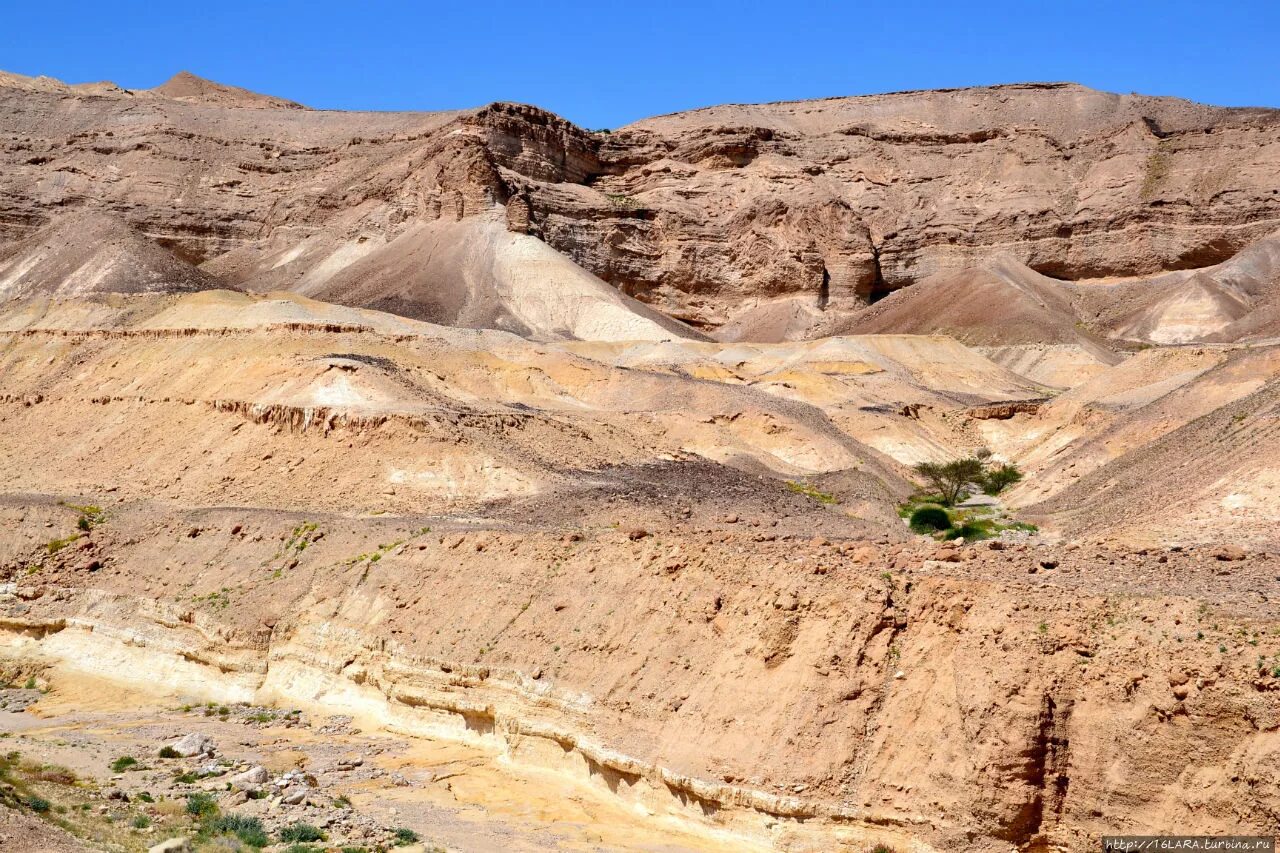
1000	478
950	479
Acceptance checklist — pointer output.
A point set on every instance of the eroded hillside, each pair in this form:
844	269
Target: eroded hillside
477	482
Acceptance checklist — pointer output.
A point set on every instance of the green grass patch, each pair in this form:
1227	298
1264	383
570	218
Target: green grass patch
123	763
404	837
812	492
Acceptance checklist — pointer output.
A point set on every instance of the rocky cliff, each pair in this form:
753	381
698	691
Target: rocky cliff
800	212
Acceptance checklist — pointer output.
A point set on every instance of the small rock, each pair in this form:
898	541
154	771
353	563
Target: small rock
173	845
1228	553
637	534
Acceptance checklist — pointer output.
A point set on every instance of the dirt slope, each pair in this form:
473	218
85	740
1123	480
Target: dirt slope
472	273
92	252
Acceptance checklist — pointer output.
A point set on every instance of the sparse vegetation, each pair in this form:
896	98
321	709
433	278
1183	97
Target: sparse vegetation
623	202
813	492
123	763
248	830
404	837
168	752
201	804
56	545
90	516
930	519
950	481
301	832
997	479
947	485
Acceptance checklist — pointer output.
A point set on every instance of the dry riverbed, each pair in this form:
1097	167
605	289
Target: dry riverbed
83	769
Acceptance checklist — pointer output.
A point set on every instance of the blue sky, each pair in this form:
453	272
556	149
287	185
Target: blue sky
602	64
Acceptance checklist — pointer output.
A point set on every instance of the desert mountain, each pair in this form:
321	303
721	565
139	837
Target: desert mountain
773	221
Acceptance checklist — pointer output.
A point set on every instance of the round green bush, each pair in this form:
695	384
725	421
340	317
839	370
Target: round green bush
930	518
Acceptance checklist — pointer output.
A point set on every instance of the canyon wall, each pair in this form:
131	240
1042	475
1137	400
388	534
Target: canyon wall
810	696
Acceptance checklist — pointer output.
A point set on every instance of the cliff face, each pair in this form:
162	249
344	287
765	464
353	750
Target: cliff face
803	697
706	215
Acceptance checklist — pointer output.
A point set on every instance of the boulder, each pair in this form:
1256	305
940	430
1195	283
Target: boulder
250	779
193	744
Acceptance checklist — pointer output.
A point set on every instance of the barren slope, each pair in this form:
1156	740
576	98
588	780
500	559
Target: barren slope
88	253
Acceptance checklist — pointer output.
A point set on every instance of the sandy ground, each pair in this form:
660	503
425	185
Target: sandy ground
455	796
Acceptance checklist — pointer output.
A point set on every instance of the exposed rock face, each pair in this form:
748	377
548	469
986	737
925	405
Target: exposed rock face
817	206
929	697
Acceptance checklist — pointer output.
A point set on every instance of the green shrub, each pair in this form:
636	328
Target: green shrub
38	804
404	837
928	519
31	683
248	829
301	832
201	804
141	822
123	763
169	752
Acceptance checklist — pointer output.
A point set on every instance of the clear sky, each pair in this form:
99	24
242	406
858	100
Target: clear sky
602	64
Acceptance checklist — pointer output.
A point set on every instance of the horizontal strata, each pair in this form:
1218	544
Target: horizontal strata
706	215
775	689
321	670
